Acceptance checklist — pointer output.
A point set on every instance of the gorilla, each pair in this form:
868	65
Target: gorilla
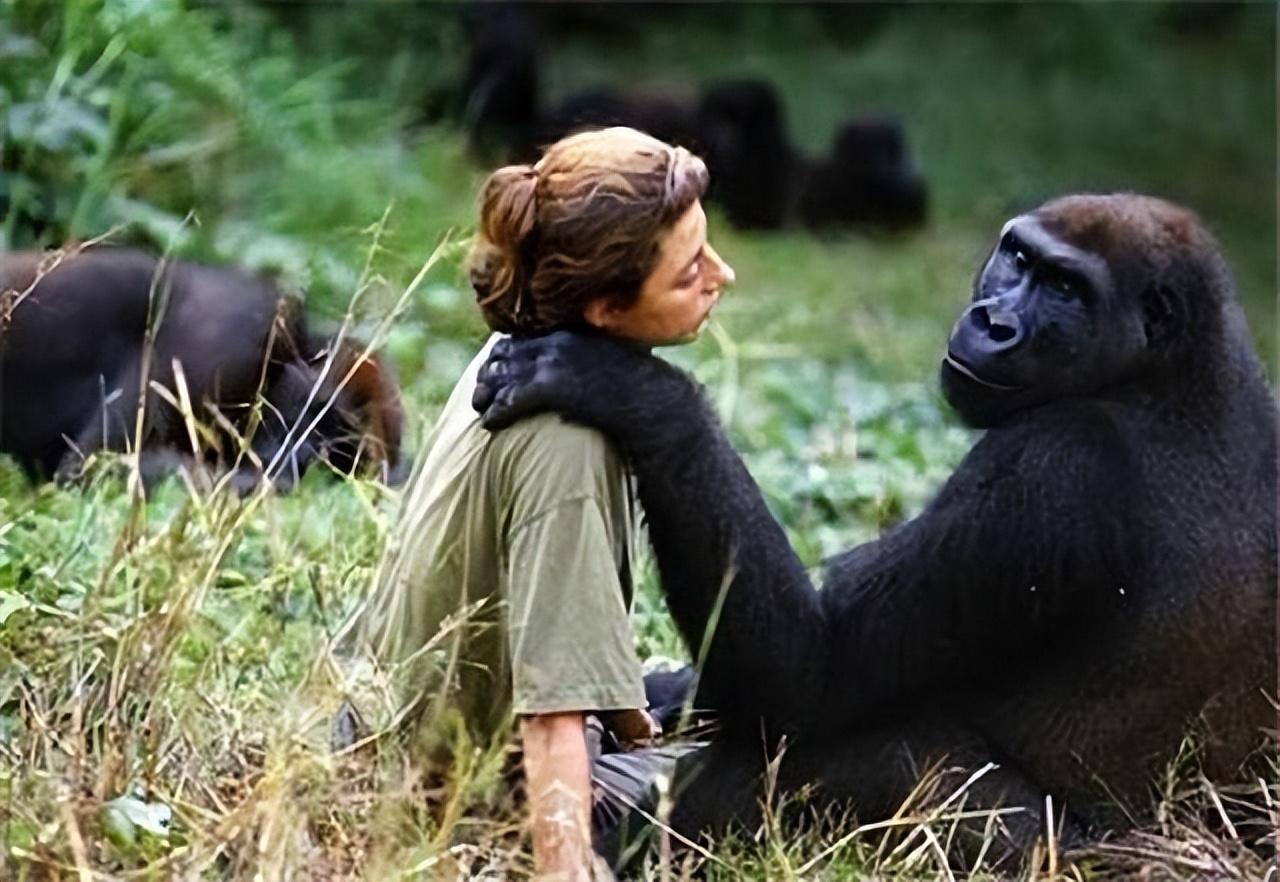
742	126
1095	581
80	337
666	118
500	92
869	178
738	126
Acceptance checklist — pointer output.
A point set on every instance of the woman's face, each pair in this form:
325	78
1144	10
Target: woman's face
678	293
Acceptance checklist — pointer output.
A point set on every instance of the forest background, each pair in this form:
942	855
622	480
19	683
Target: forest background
162	663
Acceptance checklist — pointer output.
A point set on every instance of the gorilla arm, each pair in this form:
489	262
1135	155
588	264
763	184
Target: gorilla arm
1022	545
729	575
727	569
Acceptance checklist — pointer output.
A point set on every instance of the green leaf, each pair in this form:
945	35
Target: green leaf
125	817
54	125
11	603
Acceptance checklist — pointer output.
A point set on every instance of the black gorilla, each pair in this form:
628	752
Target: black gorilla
80	333
742	129
870	178
1096	578
500	90
738	126
666	118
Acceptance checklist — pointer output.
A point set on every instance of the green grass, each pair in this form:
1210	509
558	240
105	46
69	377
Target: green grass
171	653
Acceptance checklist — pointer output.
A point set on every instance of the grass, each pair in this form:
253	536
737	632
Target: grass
165	659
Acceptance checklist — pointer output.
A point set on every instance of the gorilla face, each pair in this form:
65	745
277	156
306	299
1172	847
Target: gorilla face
1046	322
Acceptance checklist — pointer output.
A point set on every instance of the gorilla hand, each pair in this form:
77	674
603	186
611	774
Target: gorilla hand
604	382
524	377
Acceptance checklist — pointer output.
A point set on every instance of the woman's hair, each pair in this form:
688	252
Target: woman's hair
583	222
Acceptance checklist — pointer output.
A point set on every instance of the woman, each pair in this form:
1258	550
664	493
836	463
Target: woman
507	582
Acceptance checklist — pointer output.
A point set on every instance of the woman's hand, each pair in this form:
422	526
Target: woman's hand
632	728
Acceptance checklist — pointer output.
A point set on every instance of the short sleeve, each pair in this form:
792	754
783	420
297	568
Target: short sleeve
570	638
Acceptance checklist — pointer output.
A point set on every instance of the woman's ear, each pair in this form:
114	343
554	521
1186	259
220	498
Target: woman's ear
601	313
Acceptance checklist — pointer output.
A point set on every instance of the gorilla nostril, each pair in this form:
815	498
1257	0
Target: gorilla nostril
1004	328
990	327
1002	333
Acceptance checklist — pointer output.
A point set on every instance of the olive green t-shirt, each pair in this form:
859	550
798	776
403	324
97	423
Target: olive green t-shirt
506	584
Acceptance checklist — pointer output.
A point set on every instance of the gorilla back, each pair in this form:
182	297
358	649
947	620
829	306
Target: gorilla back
80	334
1096	579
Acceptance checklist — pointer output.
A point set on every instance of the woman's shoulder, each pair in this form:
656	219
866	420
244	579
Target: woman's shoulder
543	461
543	444
549	436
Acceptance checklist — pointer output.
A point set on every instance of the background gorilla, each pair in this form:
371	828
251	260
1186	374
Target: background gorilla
869	178
77	337
758	177
1097	576
744	139
500	90
738	125
666	118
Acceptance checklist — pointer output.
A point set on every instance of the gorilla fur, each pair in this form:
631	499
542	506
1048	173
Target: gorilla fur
869	178
83	334
1096	580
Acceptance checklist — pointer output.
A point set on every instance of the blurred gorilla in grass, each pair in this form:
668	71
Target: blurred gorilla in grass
1095	582
85	334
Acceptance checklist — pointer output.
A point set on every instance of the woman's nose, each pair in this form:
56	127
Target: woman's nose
722	269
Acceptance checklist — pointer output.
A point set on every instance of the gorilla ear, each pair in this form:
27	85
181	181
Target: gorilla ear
1161	315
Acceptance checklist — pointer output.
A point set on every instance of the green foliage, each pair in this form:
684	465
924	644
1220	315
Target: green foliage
150	116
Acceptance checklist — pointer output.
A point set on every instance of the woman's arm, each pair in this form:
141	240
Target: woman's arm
558	780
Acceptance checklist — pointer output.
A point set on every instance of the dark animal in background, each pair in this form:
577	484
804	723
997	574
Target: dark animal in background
500	93
757	177
742	128
1095	580
666	118
75	345
738	126
504	111
1204	19
870	178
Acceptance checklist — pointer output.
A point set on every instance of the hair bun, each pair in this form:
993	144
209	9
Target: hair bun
509	205
508	211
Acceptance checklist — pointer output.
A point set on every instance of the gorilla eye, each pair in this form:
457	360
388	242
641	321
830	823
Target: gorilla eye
1065	284
1020	259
